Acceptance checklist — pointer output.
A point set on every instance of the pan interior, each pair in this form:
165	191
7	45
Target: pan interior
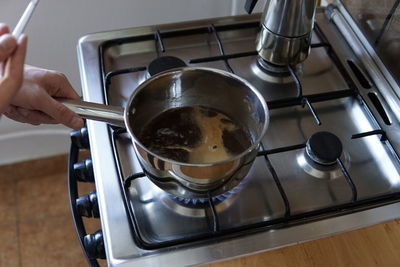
179	98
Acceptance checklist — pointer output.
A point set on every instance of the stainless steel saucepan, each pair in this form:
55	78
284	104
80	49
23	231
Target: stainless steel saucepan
187	87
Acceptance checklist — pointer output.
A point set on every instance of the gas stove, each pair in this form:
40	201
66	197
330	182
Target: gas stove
328	163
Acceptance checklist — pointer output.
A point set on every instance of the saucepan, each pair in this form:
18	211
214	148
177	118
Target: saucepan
214	92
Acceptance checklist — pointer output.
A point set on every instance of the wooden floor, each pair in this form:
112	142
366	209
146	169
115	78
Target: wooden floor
377	246
36	229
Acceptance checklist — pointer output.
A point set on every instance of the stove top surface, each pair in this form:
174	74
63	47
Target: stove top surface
285	186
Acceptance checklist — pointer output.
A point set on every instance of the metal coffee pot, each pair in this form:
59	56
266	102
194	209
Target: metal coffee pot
286	27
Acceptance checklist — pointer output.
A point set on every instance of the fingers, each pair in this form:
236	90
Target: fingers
55	83
61	113
4	28
59	85
15	65
37	92
7	42
28	116
7	46
13	74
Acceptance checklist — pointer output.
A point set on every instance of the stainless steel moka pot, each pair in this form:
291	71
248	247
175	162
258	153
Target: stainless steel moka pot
286	28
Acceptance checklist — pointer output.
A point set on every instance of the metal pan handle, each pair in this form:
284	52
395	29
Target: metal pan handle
111	114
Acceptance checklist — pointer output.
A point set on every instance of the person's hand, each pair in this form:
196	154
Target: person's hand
12	57
34	102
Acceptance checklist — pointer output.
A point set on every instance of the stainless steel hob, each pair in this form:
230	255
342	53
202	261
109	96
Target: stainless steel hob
288	196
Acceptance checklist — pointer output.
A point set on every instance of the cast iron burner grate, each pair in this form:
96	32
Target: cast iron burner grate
289	218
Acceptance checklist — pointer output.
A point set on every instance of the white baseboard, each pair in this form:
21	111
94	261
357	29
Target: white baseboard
21	142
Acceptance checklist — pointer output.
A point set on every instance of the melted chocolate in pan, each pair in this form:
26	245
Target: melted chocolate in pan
195	135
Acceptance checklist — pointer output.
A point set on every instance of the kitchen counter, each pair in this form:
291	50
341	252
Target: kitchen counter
377	245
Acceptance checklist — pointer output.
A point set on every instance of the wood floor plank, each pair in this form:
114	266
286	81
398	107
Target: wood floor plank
374	246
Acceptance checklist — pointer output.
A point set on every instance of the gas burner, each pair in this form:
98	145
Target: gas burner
198	210
164	63
319	157
324	148
273	73
195	202
196	207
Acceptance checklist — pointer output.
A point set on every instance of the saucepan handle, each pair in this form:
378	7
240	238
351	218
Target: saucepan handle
113	115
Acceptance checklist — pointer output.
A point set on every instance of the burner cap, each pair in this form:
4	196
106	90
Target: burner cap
272	69
324	148
164	63
275	74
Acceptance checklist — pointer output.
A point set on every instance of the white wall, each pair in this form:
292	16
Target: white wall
53	33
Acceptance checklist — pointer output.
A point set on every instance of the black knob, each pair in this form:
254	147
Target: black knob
88	206
95	204
80	138
83	171
94	245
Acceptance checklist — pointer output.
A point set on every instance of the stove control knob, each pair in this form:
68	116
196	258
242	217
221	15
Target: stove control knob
84	170
94	245
80	138
88	206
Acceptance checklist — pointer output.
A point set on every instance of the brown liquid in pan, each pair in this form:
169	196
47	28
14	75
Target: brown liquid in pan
195	135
